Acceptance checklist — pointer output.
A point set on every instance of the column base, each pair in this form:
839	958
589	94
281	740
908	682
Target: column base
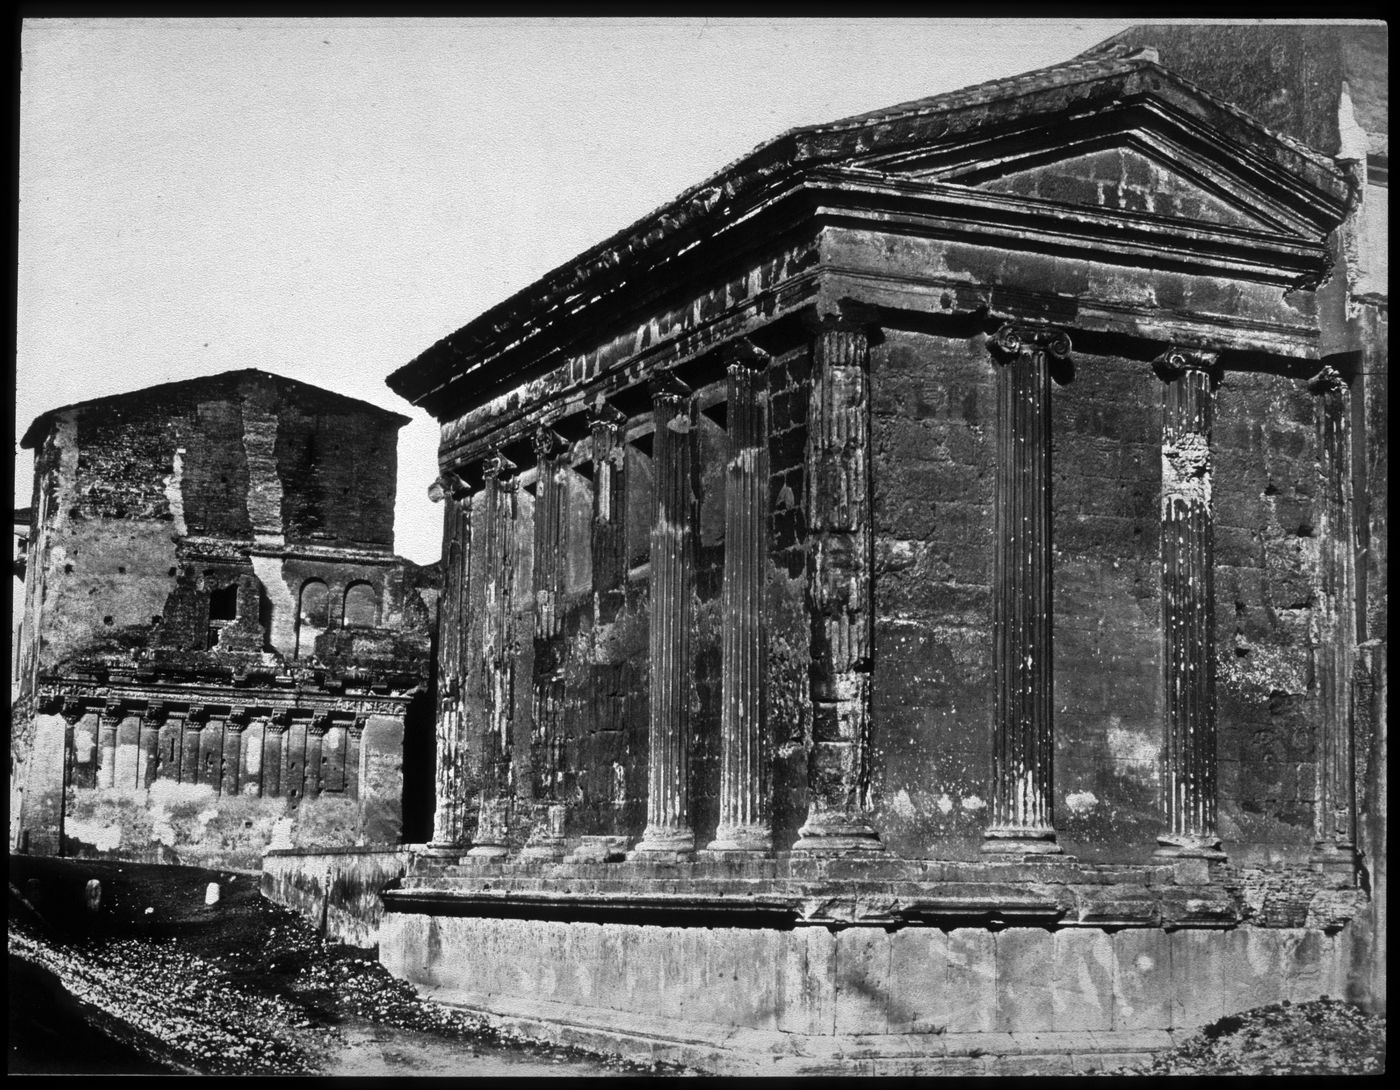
599	849
837	834
442	850
1013	840
550	851
747	839
662	842
1336	862
1182	846
488	852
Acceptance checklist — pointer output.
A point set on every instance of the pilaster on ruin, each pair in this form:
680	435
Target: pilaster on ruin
668	829
745	772
840	560
1188	606
607	427
108	722
1023	747
546	839
1335	635
498	657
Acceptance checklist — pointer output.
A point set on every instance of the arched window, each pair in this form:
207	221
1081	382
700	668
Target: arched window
361	606
313	615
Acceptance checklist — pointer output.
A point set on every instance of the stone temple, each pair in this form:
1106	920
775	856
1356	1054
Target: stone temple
916	602
220	652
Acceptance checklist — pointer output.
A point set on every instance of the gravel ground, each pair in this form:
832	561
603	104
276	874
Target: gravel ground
1321	1037
155	979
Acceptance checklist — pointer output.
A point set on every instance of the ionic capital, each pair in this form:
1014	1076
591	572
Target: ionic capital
1327	381
237	720
603	416
112	713
155	713
196	717
1012	341
668	391
319	725
1176	361
549	444
280	721
497	469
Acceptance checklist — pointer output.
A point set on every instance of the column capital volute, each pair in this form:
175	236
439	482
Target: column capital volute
279	721
72	709
320	723
497	469
448	483
667	390
237	719
155	713
1176	361
846	317
1327	381
112	713
603	415
1013	340
196	716
742	356
548	443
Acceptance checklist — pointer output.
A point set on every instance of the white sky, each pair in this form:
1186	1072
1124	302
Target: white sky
324	199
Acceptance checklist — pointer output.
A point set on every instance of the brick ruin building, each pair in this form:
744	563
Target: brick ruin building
916	602
220	651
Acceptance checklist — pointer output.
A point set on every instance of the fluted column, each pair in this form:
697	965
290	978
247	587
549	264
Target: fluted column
151	720
606	425
840	560
315	747
190	736
1188	606
1023	745
546	840
234	726
668	830
745	773
498	658
1334	653
107	724
450	803
274	754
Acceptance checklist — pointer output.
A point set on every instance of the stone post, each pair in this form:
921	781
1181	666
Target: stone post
107	725
498	658
1335	849
745	772
668	830
840	560
546	840
1023	738
1188	606
450	802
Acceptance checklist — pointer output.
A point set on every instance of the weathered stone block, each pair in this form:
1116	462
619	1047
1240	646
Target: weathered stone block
1024	980
1142	980
1082	980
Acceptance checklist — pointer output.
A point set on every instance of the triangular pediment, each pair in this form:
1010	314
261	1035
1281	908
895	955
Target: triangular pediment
1134	160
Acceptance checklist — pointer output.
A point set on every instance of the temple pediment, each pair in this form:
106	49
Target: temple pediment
1141	159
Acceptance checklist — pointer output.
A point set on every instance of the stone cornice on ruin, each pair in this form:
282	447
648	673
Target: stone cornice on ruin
229	382
1300	194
